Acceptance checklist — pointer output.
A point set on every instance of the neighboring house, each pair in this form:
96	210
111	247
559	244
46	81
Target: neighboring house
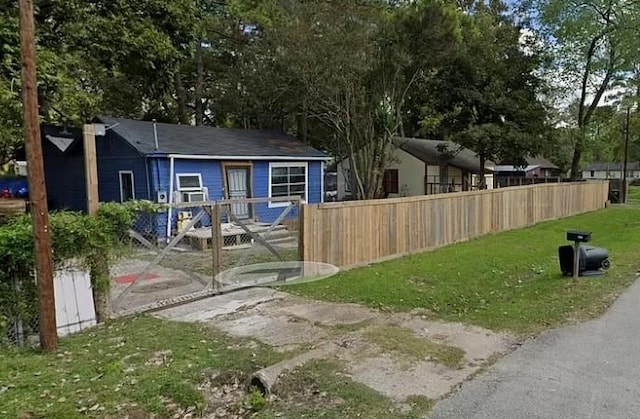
611	171
536	168
183	163
422	167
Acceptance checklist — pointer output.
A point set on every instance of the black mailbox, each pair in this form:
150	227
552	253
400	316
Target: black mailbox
592	260
579	236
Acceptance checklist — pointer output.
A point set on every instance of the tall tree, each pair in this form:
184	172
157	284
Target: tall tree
488	95
351	73
594	43
97	56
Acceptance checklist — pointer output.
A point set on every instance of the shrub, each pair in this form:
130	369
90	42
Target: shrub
75	237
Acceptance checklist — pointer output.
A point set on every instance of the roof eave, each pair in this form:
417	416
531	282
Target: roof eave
217	157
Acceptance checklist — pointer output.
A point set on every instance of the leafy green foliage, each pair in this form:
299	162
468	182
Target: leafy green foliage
256	400
488	91
75	237
594	46
141	367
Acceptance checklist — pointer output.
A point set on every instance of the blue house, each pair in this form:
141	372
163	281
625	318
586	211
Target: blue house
169	163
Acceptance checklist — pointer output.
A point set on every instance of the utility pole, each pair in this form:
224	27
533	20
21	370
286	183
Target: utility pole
91	169
626	158
37	190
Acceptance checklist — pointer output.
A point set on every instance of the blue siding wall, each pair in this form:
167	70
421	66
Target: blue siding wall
261	176
211	171
64	177
114	155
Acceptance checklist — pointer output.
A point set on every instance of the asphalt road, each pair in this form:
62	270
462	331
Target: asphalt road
591	370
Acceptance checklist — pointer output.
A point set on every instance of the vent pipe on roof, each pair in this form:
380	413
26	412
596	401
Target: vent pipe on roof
155	134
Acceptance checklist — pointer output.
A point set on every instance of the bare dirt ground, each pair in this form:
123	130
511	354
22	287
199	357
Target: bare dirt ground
401	355
179	274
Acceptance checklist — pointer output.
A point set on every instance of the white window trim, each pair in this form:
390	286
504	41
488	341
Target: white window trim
289	164
188	189
133	183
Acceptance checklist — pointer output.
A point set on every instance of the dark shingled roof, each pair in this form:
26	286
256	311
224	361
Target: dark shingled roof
209	141
438	152
542	162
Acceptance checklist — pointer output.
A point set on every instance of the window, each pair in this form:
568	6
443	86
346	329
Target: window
390	181
190	187
287	180
127	190
189	182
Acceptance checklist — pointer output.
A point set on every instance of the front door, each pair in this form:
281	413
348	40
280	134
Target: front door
238	188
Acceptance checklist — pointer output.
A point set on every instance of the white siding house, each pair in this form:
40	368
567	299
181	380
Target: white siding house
611	171
415	168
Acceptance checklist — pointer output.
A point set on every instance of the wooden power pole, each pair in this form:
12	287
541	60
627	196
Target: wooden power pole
91	168
37	190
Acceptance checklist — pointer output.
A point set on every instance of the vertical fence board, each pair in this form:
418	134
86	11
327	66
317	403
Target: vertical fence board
358	232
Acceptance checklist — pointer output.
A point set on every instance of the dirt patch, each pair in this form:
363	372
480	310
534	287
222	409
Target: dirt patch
276	331
411	348
157	286
299	387
392	378
160	358
225	394
328	314
405	357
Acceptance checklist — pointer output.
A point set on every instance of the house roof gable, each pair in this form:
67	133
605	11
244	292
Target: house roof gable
532	163
438	152
65	139
204	141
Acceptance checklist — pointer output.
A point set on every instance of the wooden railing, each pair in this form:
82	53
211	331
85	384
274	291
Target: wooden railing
355	233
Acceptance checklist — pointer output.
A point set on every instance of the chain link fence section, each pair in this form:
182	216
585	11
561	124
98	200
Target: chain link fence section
18	313
259	231
173	255
159	265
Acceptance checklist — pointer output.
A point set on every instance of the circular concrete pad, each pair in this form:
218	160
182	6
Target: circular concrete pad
276	273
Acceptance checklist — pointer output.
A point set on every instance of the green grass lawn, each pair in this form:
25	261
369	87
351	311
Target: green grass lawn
145	367
149	368
135	367
634	195
507	281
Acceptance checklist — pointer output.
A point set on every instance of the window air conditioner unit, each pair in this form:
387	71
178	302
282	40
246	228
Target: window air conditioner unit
193	197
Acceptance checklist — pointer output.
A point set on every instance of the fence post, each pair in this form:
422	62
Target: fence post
216	243
301	231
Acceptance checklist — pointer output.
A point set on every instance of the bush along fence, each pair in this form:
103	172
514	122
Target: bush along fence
360	232
86	242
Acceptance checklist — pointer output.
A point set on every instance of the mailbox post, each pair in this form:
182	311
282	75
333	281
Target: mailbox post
577	237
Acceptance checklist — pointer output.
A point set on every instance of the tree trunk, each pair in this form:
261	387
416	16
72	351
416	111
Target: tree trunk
181	95
302	123
575	161
482	184
101	287
577	153
199	87
44	106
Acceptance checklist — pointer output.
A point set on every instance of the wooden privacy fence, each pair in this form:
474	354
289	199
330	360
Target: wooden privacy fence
354	233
